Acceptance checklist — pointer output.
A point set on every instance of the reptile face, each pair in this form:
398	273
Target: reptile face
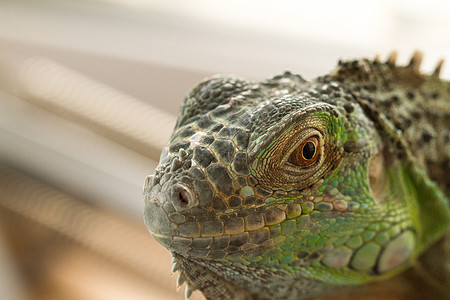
281	189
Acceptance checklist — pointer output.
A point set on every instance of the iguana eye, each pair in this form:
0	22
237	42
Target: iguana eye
306	153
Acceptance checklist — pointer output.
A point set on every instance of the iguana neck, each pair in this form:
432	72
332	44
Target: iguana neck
415	108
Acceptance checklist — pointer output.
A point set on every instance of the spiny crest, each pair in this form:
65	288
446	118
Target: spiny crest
392	58
410	70
416	61
182	278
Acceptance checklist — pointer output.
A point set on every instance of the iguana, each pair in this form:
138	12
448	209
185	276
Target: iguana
295	189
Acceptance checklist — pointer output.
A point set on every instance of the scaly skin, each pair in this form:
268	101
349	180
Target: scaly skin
249	213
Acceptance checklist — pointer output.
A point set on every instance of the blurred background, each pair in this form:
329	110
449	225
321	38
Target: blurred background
89	93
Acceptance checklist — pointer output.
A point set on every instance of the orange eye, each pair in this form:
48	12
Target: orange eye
305	154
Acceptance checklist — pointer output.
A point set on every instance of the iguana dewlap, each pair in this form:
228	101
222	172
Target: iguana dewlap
293	189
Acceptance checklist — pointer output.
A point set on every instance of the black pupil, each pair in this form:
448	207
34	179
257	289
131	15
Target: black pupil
308	150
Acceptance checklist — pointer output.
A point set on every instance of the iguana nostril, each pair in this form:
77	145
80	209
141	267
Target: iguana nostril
182	197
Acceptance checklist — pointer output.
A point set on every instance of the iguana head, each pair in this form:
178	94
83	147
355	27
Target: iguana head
280	187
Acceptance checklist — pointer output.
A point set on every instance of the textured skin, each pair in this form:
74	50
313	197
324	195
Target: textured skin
244	221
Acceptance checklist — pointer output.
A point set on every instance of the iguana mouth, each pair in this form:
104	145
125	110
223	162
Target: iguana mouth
212	239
